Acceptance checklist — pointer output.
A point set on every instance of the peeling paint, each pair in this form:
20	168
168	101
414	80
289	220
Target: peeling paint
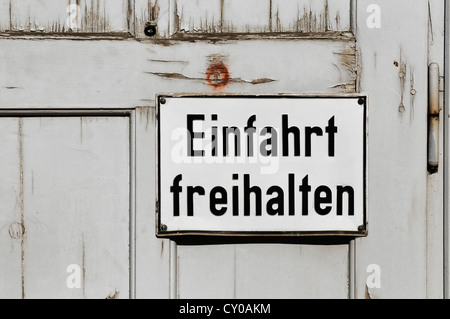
113	295
367	293
349	62
179	76
168	61
307	20
94	18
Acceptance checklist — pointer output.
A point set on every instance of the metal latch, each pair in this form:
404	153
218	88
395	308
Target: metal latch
433	117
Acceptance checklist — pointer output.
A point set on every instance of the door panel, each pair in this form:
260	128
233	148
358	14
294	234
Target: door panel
184	18
55	16
74	201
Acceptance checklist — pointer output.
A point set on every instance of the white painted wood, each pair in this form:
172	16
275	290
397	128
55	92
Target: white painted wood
152	263
259	16
55	16
10	211
4	15
245	16
117	74
206	272
310	16
394	61
284	271
76	206
263	271
405	237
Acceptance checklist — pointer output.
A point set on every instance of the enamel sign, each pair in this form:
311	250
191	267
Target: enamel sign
262	165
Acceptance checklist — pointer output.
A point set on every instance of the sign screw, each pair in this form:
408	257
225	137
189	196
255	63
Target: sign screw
361	228
162	100
360	101
163	227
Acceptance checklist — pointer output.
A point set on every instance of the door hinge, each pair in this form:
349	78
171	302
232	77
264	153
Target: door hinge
434	109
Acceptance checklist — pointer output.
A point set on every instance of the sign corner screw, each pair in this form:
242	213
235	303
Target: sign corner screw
162	100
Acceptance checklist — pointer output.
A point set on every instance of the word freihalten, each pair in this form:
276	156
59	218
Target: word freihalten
219	202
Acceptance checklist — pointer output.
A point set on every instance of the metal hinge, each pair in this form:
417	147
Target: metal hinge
434	108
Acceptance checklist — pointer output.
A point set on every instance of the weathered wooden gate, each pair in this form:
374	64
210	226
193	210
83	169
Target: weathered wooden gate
78	81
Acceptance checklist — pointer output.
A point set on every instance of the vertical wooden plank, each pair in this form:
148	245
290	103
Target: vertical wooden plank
11	230
285	271
339	14
77	207
55	16
4	16
152	264
394	64
263	271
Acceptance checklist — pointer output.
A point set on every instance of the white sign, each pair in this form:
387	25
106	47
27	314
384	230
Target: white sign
262	165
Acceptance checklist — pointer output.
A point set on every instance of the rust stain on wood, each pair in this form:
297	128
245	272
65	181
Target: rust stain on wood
217	75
